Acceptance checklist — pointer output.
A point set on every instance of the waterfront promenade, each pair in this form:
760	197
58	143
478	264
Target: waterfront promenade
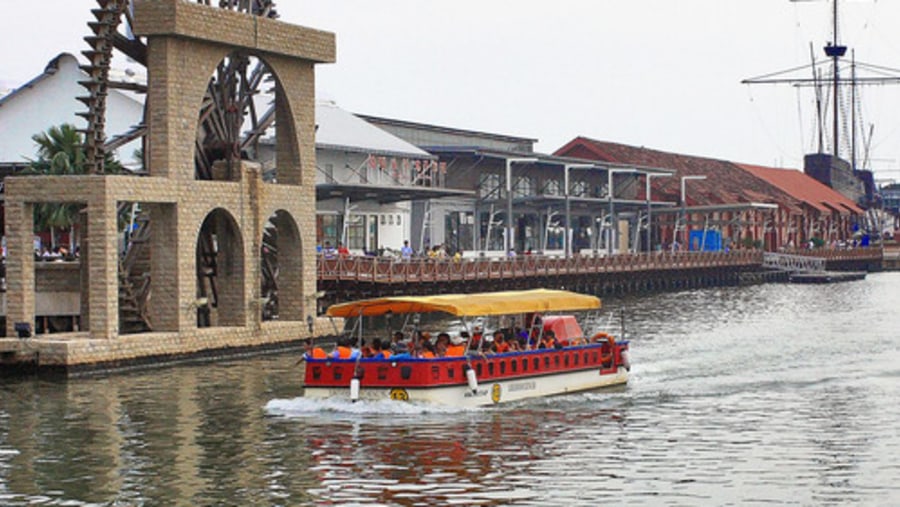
350	277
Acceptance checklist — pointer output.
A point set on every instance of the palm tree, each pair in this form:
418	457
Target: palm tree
61	152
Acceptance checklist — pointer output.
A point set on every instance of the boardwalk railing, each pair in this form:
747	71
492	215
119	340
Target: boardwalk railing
393	271
787	262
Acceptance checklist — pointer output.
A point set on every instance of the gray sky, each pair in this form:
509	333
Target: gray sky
664	74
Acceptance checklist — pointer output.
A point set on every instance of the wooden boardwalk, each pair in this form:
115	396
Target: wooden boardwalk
424	271
351	277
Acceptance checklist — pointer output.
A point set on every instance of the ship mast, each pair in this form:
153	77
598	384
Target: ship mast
835	51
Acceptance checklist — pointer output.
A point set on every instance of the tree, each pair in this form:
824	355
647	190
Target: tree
60	152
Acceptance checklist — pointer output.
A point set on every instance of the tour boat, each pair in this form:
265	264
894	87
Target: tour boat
479	377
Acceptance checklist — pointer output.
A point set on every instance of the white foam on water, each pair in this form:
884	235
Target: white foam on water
308	407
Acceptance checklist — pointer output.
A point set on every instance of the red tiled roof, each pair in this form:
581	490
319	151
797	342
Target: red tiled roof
805	188
725	182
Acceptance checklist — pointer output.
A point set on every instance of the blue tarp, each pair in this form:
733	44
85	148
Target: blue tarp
713	241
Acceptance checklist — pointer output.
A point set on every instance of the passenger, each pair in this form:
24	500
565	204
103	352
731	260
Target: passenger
500	344
367	351
427	350
400	351
477	334
379	351
398	337
457	347
314	352
345	350
549	341
440	347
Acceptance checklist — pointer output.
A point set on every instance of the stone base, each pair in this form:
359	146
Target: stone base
76	353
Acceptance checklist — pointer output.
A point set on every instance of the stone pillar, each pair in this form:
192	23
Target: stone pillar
165	314
174	99
251	185
103	266
19	264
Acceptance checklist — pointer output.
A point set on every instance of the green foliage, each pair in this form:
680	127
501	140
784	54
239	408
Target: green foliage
60	152
749	243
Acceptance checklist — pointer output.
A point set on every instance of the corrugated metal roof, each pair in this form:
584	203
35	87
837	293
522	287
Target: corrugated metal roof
725	182
341	130
805	188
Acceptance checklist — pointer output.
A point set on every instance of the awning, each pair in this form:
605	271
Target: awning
471	305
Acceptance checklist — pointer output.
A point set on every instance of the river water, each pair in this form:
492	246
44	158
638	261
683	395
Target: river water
770	394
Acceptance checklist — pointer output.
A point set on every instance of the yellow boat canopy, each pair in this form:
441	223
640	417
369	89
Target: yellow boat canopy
471	305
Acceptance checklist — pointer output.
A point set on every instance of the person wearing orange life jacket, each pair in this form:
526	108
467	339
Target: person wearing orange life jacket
549	341
345	350
501	346
380	350
440	346
457	347
314	352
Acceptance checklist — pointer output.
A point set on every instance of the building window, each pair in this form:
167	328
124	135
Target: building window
579	188
489	186
524	187
552	187
356	232
327	229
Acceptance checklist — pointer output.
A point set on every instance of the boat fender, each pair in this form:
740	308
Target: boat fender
354	390
472	379
626	360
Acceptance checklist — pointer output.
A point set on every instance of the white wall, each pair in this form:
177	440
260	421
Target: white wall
51	102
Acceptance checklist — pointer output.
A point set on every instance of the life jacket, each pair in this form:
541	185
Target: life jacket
501	347
318	353
344	352
455	350
427	354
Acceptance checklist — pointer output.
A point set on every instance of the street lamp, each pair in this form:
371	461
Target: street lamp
684	180
649	215
612	229
568	233
509	243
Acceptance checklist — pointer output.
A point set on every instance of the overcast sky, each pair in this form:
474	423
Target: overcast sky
664	74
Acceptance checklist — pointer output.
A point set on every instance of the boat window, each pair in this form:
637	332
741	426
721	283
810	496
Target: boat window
491	369
435	372
317	372
514	365
524	364
556	360
537	363
502	367
546	361
585	358
577	357
565	360
337	372
594	357
382	372
405	372
478	369
451	373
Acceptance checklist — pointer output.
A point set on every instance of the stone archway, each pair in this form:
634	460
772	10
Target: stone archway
221	299
282	269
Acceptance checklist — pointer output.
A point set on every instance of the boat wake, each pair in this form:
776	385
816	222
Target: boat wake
308	407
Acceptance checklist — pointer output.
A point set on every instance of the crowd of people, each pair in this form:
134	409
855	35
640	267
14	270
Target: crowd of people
424	346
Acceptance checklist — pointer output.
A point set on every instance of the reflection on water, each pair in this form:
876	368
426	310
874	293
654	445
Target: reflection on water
766	394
